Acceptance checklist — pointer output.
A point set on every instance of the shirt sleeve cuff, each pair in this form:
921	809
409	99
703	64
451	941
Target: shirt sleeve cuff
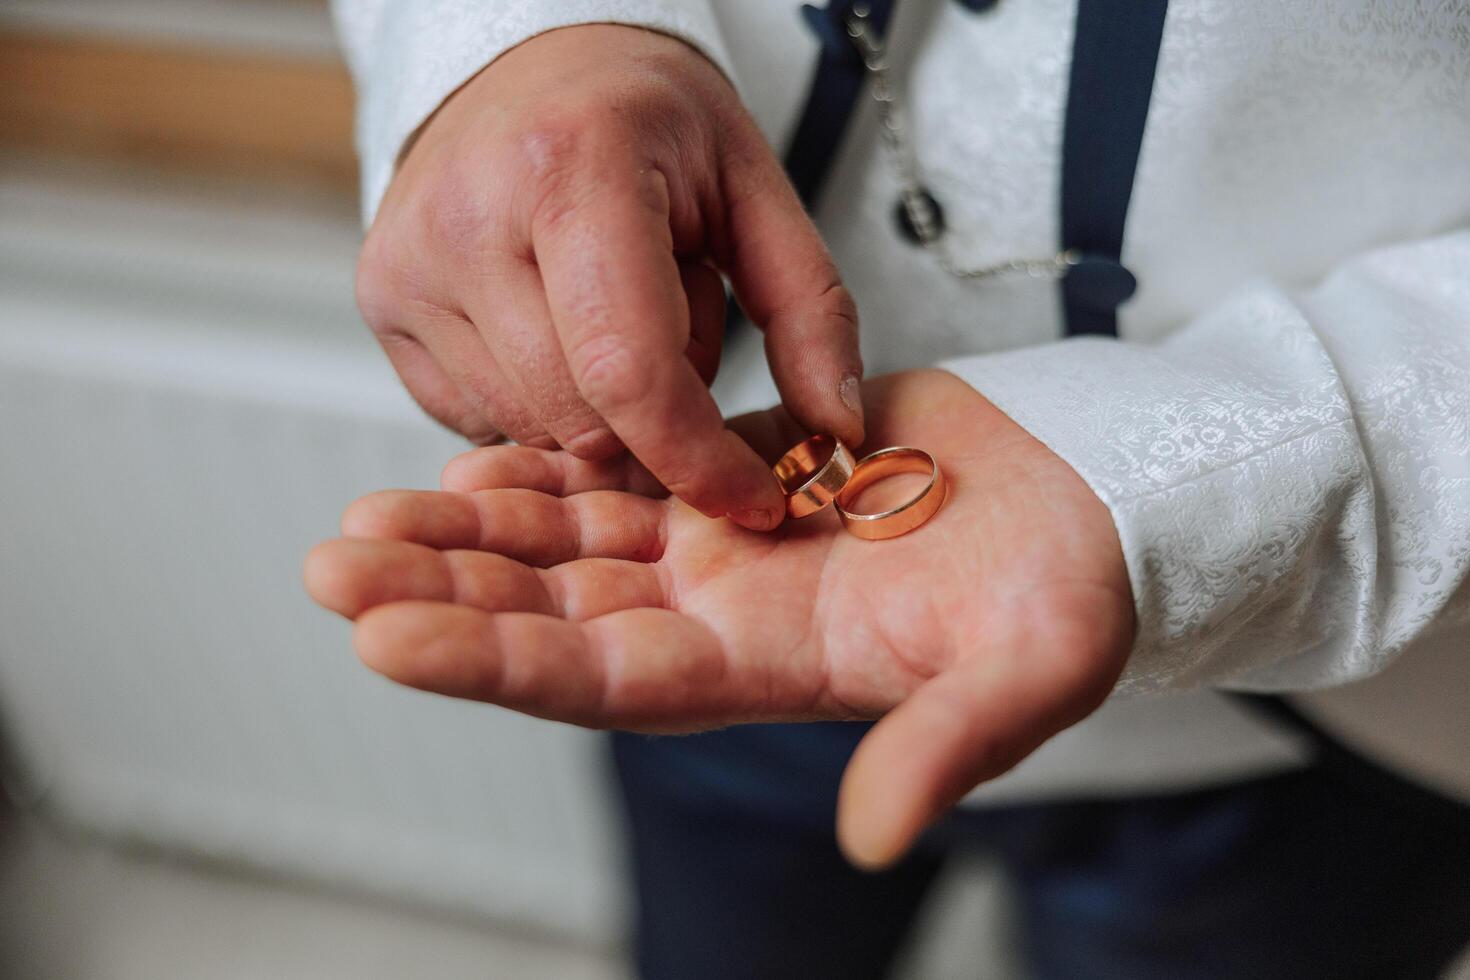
421	52
1213	459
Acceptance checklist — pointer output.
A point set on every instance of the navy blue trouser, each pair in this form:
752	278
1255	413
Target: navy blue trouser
1309	876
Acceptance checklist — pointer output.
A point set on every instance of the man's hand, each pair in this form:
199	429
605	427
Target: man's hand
553	587
547	264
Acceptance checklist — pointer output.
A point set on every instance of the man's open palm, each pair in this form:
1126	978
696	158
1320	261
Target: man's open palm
568	590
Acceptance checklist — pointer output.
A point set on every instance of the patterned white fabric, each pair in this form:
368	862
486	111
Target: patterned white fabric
1290	476
1283	434
407	56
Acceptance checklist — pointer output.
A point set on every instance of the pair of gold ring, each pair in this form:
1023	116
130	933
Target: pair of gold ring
821	471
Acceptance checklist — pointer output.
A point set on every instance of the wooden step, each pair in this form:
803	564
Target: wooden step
178	107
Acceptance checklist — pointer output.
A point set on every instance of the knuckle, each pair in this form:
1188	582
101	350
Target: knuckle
609	372
488	394
489	423
467	422
554	145
455	209
749	161
568	160
538	441
836	311
377	285
392	287
837	303
482	432
476	423
553	193
399	344
593	444
828	317
552	154
665	70
371	516
660	104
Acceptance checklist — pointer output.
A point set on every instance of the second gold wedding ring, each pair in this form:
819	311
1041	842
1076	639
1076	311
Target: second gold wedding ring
813	473
907	516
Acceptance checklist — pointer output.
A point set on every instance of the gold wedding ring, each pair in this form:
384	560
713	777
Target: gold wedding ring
813	473
906	516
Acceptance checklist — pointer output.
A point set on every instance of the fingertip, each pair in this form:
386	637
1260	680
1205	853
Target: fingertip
758	519
352	575
499	467
874	825
456	475
369	516
423	644
733	482
763	506
379	636
885	800
397	515
866	851
428	517
321	575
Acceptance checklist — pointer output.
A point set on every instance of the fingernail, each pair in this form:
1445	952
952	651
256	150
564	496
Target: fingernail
755	520
851	393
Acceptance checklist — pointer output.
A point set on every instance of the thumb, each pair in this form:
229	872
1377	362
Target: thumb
969	724
787	284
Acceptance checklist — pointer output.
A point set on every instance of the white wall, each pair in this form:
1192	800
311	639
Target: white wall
187	401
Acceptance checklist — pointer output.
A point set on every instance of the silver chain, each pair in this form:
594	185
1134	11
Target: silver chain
917	204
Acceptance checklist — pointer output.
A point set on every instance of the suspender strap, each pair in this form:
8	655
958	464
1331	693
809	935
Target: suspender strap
836	86
1114	54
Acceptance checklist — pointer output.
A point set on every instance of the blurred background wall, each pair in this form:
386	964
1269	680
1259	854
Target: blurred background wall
187	400
201	779
250	89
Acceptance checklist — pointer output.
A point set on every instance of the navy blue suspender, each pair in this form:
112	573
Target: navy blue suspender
837	84
1115	51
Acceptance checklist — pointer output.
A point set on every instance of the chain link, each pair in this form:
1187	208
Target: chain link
917	204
